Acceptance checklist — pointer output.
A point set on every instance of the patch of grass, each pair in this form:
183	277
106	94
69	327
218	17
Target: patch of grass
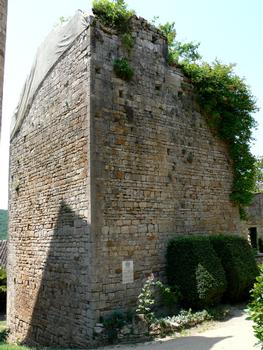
3	344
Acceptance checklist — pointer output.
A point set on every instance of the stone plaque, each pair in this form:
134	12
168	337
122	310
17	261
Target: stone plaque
127	271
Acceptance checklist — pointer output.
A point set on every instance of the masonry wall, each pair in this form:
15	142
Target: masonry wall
3	19
49	263
255	215
158	169
103	171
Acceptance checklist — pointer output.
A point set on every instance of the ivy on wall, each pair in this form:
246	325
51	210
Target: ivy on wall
225	99
228	105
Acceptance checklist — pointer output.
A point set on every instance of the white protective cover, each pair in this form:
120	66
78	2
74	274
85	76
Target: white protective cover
55	44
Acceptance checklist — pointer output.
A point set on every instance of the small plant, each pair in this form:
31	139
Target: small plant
178	51
186	319
3	287
62	20
122	69
255	308
154	295
3	335
114	321
3	290
127	41
113	14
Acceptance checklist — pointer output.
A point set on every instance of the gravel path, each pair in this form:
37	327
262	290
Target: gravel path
233	334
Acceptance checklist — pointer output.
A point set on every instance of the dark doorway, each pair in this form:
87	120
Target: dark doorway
253	237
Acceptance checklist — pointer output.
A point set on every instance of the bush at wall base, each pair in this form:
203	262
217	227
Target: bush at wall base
255	308
239	263
194	268
3	290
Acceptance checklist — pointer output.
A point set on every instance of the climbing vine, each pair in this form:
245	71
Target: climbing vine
227	104
225	99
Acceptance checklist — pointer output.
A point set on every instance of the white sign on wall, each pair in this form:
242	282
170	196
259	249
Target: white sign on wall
127	271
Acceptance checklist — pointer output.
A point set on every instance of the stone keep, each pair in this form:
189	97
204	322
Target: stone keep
102	172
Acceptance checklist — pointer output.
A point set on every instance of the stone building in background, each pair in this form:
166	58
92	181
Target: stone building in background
3	19
254	223
102	173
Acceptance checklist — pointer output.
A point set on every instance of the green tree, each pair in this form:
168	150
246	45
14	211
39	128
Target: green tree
259	174
3	224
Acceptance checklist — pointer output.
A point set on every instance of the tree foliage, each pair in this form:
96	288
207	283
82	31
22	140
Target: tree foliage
227	104
114	14
259	174
256	307
3	224
178	51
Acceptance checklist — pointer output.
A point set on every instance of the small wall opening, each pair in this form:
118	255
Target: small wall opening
253	237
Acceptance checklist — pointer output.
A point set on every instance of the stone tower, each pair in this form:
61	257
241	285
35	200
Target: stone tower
3	19
102	173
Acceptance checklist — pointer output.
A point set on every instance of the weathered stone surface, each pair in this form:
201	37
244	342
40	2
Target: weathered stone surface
255	217
255	212
103	171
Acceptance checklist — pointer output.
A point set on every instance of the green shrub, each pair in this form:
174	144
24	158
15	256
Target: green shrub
194	268
122	69
113	14
239	264
3	290
114	321
260	245
156	300
255	308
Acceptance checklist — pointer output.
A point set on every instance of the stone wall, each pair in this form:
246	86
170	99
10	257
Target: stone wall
255	216
158	169
103	171
3	19
49	267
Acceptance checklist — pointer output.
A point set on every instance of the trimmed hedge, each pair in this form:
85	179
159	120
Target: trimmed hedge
239	263
194	268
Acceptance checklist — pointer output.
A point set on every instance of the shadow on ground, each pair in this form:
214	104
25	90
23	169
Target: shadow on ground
191	343
184	343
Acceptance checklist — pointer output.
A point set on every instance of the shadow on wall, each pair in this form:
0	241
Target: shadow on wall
61	312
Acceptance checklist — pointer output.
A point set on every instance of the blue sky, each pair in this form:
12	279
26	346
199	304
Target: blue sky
229	30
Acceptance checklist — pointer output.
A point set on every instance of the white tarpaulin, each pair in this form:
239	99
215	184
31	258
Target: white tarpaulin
55	44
